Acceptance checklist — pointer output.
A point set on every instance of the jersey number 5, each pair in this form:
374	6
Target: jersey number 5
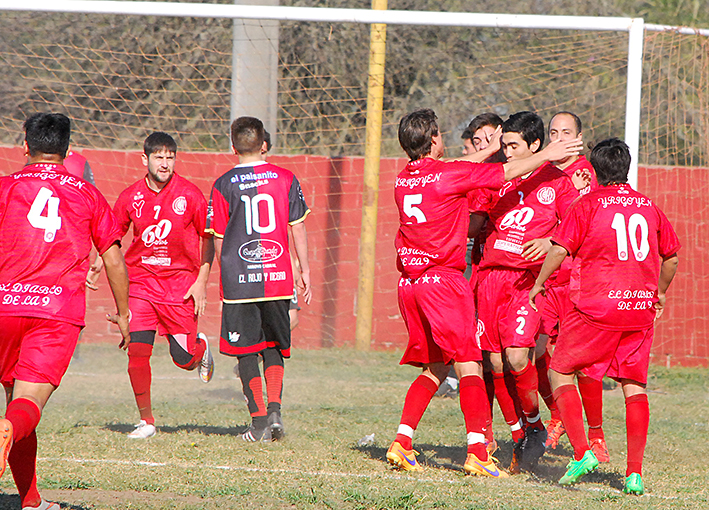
410	209
49	223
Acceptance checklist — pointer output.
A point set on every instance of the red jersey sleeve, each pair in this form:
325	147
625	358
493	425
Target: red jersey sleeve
120	210
199	215
573	228
105	229
668	242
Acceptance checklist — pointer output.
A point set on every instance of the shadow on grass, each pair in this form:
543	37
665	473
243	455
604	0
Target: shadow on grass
12	502
206	430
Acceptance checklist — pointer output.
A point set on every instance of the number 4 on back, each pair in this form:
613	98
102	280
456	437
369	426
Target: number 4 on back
49	223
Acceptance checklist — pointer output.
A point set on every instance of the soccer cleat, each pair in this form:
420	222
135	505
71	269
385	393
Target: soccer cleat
206	366
577	468
275	423
254	435
532	448
44	505
634	485
474	466
555	429
516	457
403	459
6	439
445	390
600	450
143	430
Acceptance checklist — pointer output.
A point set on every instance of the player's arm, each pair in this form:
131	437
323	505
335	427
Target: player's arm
198	290
117	274
536	248
481	155
667	273
300	242
552	262
218	241
477	221
94	273
555	151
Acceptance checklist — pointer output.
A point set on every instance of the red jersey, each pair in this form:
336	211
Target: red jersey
583	164
48	221
433	211
164	258
617	237
251	207
525	209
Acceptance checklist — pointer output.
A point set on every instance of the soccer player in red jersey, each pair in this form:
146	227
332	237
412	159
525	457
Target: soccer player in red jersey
480	132
168	271
252	208
566	126
48	223
434	298
624	258
78	166
523	215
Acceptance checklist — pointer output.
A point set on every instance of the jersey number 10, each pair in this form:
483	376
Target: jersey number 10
635	222
253	216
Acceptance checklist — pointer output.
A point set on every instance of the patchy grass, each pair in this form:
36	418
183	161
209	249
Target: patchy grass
332	398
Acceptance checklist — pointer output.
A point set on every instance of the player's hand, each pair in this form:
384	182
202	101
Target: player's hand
198	292
581	178
537	289
495	139
536	248
660	305
122	323
93	274
558	150
303	286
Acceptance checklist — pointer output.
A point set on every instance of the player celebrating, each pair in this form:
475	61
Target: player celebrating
48	222
168	273
625	256
434	298
252	208
523	216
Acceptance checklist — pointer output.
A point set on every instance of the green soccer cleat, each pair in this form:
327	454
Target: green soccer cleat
634	485
577	468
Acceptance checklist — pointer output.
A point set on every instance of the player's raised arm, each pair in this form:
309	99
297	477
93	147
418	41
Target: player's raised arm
553	152
117	274
667	273
552	262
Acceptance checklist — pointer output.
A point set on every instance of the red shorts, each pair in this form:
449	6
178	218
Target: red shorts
165	319
439	313
598	352
556	305
35	350
503	309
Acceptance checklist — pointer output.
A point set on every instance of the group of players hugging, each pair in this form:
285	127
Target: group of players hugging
570	266
50	217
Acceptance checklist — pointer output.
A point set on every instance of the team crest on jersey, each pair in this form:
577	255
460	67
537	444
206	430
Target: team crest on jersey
179	205
546	195
260	251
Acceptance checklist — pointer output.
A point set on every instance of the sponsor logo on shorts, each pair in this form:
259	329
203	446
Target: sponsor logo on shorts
233	337
260	251
179	205
546	195
480	332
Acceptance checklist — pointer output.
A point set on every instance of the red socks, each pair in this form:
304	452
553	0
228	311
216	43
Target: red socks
274	385
417	399
545	390
637	420
24	416
507	406
23	462
592	398
569	403
527	386
140	377
474	404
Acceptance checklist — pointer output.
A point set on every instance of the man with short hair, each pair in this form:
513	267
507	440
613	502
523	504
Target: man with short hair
624	258
479	133
252	208
168	271
49	220
523	216
435	299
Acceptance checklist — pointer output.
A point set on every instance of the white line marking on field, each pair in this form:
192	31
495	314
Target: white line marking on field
318	473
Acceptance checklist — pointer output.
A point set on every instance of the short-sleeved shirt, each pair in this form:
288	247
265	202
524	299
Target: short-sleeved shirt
164	258
251	207
617	237
526	209
78	166
48	221
433	211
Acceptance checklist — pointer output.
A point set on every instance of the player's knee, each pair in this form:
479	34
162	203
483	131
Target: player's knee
517	359
180	357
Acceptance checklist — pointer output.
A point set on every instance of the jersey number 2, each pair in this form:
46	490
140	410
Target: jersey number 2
49	223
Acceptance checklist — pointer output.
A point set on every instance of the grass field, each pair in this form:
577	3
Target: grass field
332	399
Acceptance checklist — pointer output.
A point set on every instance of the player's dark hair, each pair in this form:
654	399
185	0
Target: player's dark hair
480	121
415	132
159	141
529	125
47	133
611	161
267	139
247	135
577	121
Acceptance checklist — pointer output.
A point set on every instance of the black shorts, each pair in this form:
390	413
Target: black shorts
249	328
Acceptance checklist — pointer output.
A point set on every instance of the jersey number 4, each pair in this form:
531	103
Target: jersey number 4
49	223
